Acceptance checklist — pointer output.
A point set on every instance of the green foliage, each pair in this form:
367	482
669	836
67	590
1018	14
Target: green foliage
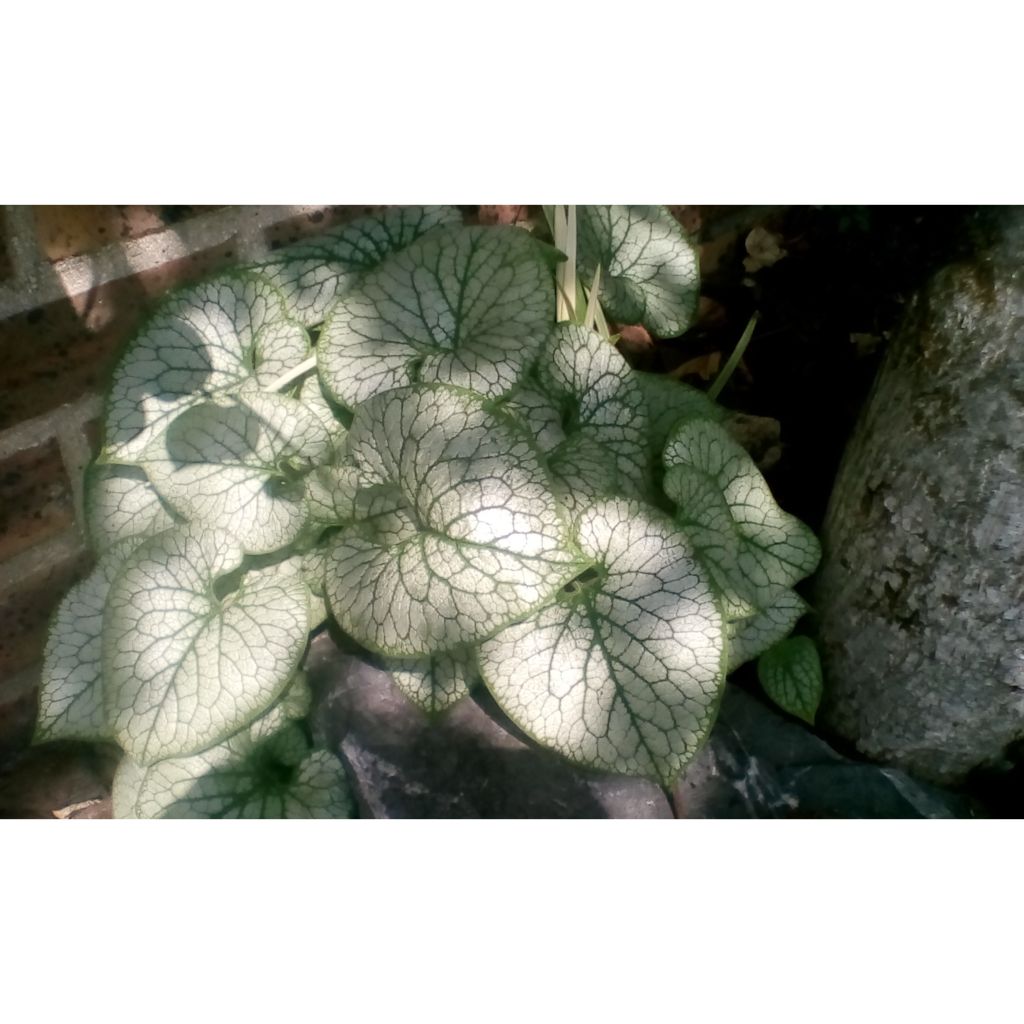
472	491
790	673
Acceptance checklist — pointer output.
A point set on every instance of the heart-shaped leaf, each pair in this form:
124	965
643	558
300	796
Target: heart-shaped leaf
624	671
312	273
265	771
649	268
204	341
772	549
481	541
120	502
790	673
183	668
71	683
601	398
468	306
238	465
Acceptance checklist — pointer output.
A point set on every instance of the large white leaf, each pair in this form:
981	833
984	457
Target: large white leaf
120	502
264	771
771	548
603	401
480	541
71	682
312	273
238	465
623	672
649	268
183	668
468	306
201	342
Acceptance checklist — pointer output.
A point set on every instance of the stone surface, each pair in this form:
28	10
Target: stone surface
36	500
474	763
470	763
762	764
921	593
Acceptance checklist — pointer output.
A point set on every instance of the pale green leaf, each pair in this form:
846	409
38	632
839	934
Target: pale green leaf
238	465
585	373
312	273
751	636
312	396
268	773
775	548
481	541
650	269
331	494
468	306
790	673
667	401
537	413
70	685
435	683
183	667
201	342
120	502
623	672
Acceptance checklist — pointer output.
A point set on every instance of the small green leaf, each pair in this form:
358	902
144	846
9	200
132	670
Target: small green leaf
466	306
312	273
205	341
480	539
120	502
790	673
650	268
237	465
623	672
184	668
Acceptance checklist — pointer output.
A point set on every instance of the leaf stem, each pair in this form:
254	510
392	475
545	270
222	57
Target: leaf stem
289	376
734	360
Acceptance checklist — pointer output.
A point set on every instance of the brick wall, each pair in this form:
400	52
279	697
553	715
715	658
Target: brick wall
74	284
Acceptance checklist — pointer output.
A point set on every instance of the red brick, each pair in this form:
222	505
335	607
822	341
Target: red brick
26	610
61	351
64	231
36	500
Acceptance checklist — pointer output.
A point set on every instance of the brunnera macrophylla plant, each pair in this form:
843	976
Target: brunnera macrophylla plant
386	425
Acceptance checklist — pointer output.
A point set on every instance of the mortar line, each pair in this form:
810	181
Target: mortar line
117	260
40	429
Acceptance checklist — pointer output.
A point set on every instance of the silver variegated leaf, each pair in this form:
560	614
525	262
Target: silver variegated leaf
183	667
468	306
649	267
752	636
435	683
202	342
120	502
238	465
775	550
623	672
481	539
312	273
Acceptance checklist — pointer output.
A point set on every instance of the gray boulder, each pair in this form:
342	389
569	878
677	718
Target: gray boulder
921	591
